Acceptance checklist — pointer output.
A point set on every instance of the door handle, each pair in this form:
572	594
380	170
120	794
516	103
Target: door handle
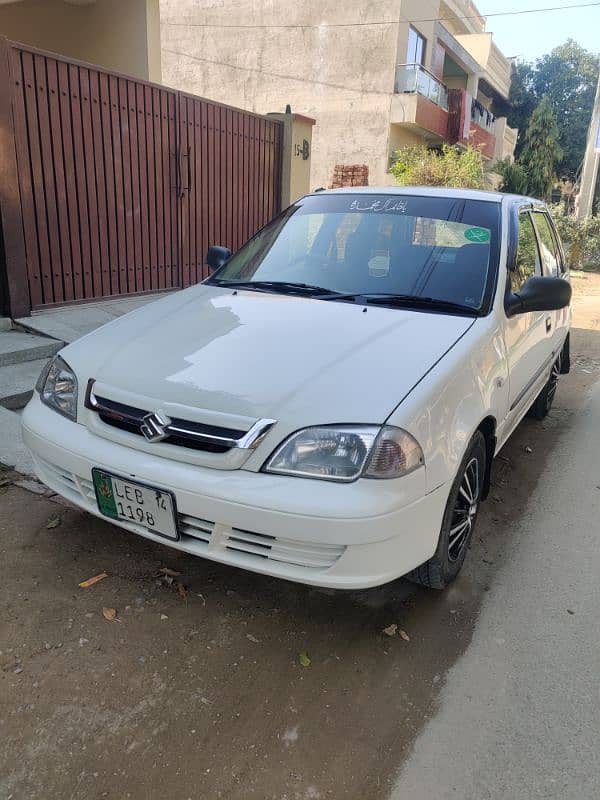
183	171
548	324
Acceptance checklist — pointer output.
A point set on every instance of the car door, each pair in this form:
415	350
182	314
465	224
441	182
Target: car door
528	337
552	266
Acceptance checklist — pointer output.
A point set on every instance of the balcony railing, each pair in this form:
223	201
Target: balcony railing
415	79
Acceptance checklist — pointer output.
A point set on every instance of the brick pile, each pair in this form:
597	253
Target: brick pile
350	175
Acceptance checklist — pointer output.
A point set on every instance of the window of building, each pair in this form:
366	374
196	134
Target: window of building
528	255
416	47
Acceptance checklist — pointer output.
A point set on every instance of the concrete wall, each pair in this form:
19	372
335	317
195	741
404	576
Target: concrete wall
461	16
250	54
404	136
341	76
121	35
506	140
497	67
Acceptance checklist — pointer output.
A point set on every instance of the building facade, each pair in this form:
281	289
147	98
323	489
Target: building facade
119	35
374	75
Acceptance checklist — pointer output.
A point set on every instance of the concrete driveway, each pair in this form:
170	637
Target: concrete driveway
201	693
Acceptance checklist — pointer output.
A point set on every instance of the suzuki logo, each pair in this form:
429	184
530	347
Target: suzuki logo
154	427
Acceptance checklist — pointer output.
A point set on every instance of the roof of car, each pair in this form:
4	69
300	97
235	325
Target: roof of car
428	191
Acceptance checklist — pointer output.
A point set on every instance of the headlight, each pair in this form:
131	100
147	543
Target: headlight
57	386
345	452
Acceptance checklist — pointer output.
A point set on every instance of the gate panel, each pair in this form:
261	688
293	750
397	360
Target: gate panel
25	179
96	170
125	184
229	188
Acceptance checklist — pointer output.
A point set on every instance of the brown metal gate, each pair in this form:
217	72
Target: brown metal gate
124	184
229	182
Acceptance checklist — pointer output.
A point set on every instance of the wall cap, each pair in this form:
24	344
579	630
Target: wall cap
299	117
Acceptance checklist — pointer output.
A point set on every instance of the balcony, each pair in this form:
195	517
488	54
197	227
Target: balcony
414	78
420	103
473	125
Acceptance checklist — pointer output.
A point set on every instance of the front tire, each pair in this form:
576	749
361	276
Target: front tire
459	520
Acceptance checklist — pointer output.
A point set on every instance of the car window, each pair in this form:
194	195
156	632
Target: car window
528	255
548	247
440	248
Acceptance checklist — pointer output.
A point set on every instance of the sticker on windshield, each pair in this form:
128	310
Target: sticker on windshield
379	205
478	235
379	264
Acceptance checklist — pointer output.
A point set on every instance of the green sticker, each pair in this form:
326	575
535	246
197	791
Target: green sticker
104	494
479	235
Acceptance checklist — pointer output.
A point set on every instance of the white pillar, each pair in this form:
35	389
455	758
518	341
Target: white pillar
590	165
295	157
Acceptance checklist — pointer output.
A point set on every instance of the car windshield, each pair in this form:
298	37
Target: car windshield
418	250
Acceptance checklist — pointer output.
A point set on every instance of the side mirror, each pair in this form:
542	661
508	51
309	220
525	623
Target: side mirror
217	256
539	294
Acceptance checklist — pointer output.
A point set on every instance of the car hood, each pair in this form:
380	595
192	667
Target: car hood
253	355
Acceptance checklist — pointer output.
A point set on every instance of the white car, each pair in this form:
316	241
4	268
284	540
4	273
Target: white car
326	406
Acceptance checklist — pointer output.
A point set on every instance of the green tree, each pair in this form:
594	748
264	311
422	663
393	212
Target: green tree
541	151
568	76
420	166
513	175
522	100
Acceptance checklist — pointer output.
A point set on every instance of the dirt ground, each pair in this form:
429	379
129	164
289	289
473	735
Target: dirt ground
204	696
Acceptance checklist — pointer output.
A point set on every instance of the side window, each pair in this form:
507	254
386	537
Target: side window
551	264
528	255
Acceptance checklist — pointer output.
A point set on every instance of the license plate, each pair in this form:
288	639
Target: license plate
136	503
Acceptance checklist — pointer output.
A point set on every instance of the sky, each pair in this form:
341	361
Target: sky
530	36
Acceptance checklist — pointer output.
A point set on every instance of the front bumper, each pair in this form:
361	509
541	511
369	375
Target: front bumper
346	536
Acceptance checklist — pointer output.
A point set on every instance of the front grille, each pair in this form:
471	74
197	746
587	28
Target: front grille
157	427
183	433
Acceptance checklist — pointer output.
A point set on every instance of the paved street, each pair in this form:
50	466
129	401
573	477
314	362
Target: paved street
200	693
520	712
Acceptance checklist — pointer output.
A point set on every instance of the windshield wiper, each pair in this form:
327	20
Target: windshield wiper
413	301
283	287
320	292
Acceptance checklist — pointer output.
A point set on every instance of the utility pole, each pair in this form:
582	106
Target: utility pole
589	175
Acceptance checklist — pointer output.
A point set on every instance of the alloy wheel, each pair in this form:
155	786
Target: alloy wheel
552	383
465	510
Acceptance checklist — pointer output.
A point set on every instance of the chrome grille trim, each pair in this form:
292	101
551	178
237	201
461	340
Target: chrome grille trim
124	416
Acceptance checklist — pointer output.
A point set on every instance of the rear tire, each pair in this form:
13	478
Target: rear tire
544	400
459	520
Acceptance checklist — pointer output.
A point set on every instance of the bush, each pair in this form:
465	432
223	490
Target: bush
419	166
513	178
581	239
